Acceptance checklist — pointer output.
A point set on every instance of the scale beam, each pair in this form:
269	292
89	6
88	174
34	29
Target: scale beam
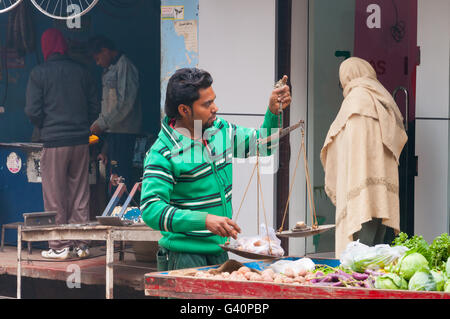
281	133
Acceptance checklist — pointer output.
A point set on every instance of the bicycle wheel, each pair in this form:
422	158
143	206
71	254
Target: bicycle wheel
64	9
6	5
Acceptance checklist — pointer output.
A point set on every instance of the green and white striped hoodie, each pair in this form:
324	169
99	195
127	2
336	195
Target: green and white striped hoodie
184	180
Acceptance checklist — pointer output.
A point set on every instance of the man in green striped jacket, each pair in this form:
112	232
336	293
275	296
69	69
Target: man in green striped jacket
187	179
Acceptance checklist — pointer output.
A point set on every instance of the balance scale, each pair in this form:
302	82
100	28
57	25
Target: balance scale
306	231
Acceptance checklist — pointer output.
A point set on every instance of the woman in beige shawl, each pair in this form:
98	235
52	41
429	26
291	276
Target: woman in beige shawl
360	157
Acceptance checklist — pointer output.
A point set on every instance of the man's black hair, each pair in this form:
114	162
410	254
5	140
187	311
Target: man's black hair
97	43
183	88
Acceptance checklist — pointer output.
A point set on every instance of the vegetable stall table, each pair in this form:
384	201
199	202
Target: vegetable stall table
177	286
88	232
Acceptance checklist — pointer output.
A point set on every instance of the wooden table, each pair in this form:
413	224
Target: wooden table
85	232
165	285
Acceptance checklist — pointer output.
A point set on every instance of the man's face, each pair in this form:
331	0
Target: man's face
103	58
204	109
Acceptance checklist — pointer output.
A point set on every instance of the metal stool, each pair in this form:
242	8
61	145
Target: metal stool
13	226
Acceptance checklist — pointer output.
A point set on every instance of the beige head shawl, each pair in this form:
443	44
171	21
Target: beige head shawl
357	74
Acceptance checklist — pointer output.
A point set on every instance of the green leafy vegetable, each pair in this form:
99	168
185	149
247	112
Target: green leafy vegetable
416	243
390	281
422	281
439	279
411	263
325	269
447	267
439	251
436	254
400	240
447	286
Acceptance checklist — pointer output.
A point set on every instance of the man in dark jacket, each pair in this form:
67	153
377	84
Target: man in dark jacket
61	101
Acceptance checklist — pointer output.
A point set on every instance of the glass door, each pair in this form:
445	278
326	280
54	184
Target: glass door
383	32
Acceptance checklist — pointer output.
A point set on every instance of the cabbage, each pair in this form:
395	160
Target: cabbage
447	286
390	281
422	281
439	279
410	263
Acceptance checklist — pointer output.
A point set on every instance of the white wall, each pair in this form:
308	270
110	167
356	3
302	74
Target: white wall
237	46
432	126
433	73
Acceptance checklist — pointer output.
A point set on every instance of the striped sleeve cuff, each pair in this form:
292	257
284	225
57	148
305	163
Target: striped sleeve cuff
168	220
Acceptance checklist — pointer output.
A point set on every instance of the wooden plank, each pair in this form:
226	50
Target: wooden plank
136	235
19	262
85	227
64	234
66	227
109	266
128	234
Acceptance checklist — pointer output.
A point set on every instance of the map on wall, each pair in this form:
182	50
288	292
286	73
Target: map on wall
179	39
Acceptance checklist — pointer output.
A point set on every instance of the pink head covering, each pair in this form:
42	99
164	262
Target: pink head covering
53	41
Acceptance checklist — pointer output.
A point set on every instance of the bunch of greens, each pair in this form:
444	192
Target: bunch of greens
436	254
415	243
325	269
439	251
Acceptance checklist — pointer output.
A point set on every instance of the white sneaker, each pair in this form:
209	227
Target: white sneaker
82	252
56	254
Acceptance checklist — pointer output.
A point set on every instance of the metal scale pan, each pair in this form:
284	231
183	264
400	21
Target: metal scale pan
306	232
247	254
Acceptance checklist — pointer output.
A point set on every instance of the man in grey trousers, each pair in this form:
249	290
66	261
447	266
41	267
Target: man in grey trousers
62	102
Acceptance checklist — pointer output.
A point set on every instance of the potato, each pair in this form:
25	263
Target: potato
289	272
247	275
243	270
268	272
302	272
300	279
258	243
267	278
255	277
309	276
300	225
278	279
